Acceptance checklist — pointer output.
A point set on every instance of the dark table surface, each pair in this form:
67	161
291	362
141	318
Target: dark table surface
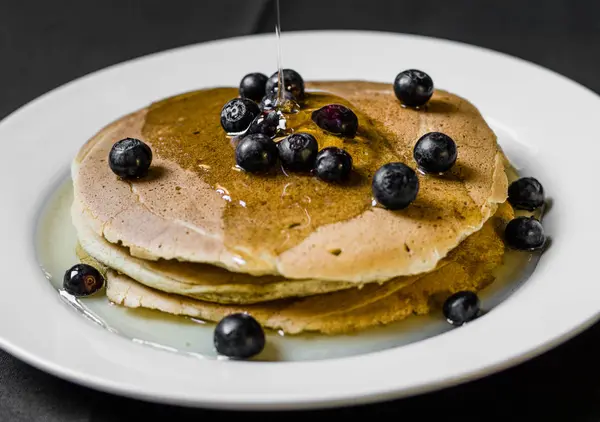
47	43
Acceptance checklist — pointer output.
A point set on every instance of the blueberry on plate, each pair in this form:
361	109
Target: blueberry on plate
298	151
82	280
252	86
291	79
461	307
525	234
130	158
333	164
256	153
237	114
413	87
239	336
395	186
435	152
526	194
336	118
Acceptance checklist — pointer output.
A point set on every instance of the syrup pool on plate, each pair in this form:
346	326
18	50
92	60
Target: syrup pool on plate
55	245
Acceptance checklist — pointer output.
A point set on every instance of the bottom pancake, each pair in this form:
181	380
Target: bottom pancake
469	267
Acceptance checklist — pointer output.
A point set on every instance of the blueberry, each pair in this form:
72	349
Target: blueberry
526	194
292	80
270	100
253	86
461	307
435	152
525	234
333	164
395	186
256	153
82	280
298	151
267	123
130	158
237	114
413	87
336	118
239	336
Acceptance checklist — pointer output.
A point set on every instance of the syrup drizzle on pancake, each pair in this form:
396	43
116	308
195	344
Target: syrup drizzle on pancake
280	209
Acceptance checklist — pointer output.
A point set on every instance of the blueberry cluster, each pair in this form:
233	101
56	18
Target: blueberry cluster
254	111
298	152
263	91
396	185
523	233
254	118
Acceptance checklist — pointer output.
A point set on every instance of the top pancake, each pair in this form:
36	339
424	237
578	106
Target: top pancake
196	206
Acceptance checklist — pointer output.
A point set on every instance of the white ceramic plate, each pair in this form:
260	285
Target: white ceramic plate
545	122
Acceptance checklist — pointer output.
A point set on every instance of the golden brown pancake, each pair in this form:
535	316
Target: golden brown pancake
210	283
197	207
468	267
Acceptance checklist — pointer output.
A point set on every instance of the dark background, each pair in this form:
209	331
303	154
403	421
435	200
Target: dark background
44	44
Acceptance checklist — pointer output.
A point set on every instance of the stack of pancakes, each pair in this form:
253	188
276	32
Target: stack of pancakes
198	237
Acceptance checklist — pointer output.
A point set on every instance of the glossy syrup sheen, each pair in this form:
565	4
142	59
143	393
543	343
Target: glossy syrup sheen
280	209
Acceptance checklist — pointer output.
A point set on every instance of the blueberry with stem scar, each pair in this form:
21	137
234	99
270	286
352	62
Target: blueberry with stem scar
82	280
237	114
298	151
